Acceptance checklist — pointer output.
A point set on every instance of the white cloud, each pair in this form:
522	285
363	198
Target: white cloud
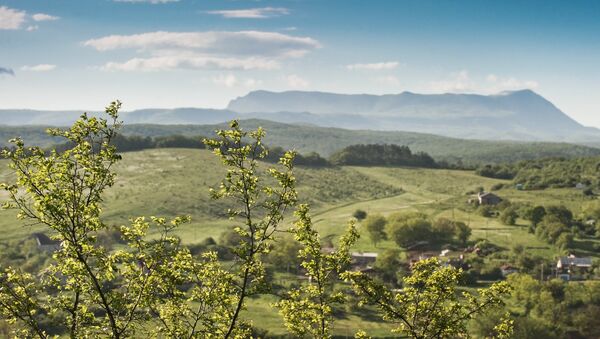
498	84
234	43
205	50
163	63
154	2
461	82
296	81
388	80
252	13
378	66
32	28
458	82
39	68
230	80
11	18
44	17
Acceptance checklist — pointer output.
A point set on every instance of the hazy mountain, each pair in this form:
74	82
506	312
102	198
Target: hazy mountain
518	115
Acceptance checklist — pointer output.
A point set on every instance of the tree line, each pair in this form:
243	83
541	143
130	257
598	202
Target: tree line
355	155
548	173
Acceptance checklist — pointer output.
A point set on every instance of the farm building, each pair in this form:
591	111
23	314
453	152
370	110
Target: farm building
573	268
45	243
486	198
363	259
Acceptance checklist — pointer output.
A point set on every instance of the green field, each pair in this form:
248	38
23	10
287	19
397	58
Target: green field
170	182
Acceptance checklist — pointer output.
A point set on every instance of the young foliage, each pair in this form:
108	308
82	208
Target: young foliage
428	306
150	287
307	310
262	206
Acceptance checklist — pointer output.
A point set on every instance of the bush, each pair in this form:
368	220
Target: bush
359	215
509	216
486	211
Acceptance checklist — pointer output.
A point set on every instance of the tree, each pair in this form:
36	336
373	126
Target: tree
389	265
261	206
154	287
509	216
560	213
284	256
443	230
428	305
375	225
308	308
537	215
89	290
406	232
359	215
565	240
462	232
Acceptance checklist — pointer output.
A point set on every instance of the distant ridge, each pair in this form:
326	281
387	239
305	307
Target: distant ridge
327	140
513	115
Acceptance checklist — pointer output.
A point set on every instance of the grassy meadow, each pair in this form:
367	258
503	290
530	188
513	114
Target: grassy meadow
171	182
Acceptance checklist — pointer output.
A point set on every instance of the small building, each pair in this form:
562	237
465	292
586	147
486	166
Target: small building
45	243
573	268
580	186
507	269
361	260
520	187
487	198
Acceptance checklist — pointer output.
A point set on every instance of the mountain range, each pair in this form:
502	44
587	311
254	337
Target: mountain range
516	115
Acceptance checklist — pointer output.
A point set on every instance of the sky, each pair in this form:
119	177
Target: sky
74	54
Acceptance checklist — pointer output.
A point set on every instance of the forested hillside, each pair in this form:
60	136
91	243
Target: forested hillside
549	173
327	141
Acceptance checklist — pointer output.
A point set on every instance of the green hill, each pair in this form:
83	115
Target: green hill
326	141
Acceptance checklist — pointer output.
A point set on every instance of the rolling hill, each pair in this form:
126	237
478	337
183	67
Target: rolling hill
326	140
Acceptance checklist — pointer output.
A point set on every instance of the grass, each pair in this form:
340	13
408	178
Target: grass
171	182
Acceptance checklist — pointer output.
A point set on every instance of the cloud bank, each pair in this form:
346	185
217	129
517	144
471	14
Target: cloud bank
44	17
39	68
378	66
460	82
11	18
242	50
252	13
14	19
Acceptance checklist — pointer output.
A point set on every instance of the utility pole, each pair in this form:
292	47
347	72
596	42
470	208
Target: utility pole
542	274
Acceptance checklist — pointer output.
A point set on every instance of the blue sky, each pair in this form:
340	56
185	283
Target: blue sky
73	54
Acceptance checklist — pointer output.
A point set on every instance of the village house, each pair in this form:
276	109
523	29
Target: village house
487	198
573	268
363	259
45	243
